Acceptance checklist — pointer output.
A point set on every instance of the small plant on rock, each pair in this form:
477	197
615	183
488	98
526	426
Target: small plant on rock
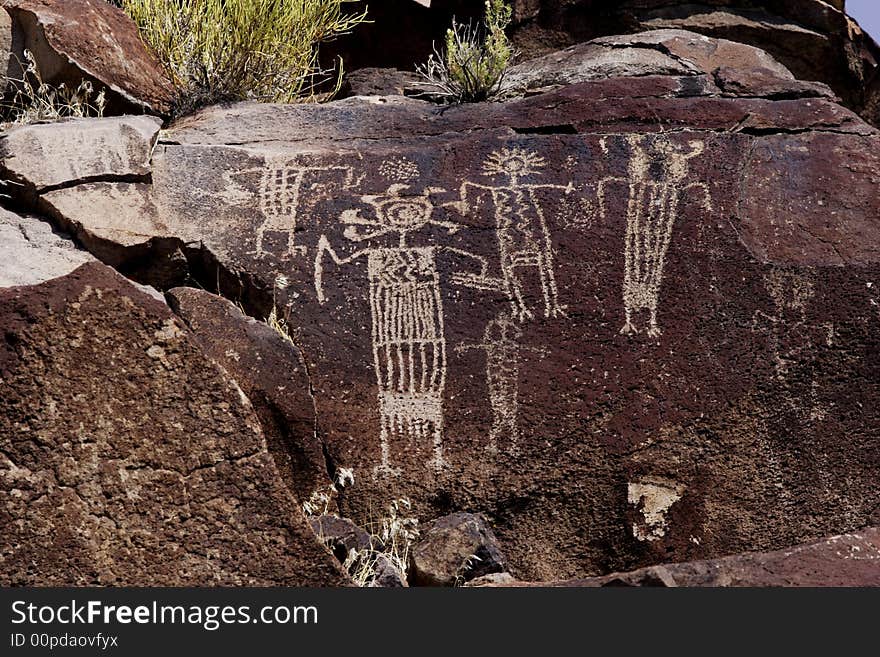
35	101
472	65
395	534
321	501
232	50
391	537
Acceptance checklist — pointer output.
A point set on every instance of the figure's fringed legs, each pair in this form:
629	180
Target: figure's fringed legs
628	328
653	328
438	463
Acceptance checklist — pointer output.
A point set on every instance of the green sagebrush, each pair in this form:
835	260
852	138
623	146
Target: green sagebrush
474	60
230	50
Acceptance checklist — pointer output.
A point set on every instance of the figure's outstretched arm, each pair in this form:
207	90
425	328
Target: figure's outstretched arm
463	206
324	247
479	281
352	219
567	189
600	192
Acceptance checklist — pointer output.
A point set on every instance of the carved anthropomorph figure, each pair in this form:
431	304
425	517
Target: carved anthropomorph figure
409	342
501	344
524	241
282	183
657	174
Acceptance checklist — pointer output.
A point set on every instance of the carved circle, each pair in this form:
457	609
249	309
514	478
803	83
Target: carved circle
407	214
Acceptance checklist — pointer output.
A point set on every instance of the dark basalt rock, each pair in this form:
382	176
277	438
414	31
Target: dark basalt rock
75	40
847	560
128	458
628	320
388	576
453	550
341	535
815	39
274	376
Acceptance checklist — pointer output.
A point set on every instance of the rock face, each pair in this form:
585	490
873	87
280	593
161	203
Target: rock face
735	68
82	149
815	39
73	40
127	457
847	560
341	535
30	253
629	319
378	82
274	376
387	575
455	549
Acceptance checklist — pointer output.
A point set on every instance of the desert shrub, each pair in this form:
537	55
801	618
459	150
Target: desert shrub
32	100
230	50
394	533
474	59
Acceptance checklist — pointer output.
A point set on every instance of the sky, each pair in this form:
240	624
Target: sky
867	13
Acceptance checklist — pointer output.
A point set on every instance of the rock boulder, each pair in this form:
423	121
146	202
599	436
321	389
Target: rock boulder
128	458
628	320
845	560
75	40
31	253
274	376
815	39
453	550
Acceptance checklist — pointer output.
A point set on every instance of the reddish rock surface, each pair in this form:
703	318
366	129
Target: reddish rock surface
846	560
629	320
74	40
128	458
273	375
815	39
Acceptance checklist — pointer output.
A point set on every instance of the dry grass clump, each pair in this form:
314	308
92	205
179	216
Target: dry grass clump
393	537
32	100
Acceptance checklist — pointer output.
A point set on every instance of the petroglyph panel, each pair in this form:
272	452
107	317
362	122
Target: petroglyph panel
459	301
408	339
652	499
282	183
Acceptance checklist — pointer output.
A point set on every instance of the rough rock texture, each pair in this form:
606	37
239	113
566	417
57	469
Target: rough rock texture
53	154
454	549
629	320
341	535
387	575
845	560
94	152
127	457
73	40
8	65
494	579
737	69
815	39
31	253
273	375
378	82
